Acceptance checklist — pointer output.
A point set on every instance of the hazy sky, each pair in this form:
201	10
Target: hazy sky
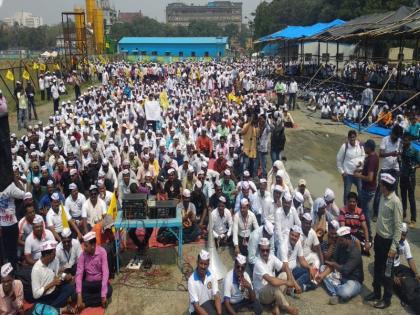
50	10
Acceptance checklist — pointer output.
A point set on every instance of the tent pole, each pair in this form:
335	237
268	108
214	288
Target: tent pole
416	56
302	51
284	53
319	53
400	60
336	56
288	53
327	55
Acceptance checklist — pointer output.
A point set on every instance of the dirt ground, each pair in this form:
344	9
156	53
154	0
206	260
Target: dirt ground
311	152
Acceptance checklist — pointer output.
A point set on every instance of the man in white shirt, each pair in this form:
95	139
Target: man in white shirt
404	250
308	203
238	291
264	200
285	218
55	95
203	289
48	287
350	158
310	243
292	91
265	231
269	212
74	203
93	210
34	240
244	222
68	251
221	223
269	288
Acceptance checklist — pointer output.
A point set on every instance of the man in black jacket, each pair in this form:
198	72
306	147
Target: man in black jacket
278	140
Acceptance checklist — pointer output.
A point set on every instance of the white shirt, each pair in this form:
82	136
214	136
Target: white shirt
293	253
93	214
390	162
403	251
68	259
32	244
265	205
242	227
7	204
26	228
308	242
263	268
54	92
107	198
269	212
283	222
54	219
43	275
351	159
232	291
221	225
74	207
254	239
201	292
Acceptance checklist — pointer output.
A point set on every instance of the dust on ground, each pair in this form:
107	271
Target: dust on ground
311	154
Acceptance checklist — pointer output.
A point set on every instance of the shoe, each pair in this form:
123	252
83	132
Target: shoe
412	225
382	304
372	297
333	300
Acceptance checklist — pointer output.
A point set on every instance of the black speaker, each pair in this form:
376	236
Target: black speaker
6	172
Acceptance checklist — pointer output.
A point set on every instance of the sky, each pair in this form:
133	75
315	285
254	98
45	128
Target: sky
50	10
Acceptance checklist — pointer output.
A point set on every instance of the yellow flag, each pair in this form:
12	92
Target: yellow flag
107	45
64	218
35	66
26	75
42	67
56	66
10	76
113	207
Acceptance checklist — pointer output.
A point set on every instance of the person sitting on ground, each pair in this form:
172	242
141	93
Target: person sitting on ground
287	118
35	239
347	268
352	216
265	231
238	290
244	222
11	292
26	224
404	250
48	285
68	252
413	129
269	288
220	223
92	275
190	227
332	208
307	198
203	288
385	117
310	243
320	218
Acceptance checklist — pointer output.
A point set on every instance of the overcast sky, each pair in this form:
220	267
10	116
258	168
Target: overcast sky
50	10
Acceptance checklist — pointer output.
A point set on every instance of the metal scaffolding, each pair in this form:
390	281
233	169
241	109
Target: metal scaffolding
74	37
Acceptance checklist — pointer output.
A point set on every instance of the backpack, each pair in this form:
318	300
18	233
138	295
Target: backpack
409	293
43	309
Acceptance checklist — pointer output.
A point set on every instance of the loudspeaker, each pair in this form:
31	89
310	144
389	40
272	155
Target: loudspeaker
6	172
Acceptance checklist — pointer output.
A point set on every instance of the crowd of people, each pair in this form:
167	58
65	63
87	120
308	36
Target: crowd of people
202	134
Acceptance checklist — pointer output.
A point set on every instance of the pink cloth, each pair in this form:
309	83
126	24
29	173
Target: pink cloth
9	307
96	269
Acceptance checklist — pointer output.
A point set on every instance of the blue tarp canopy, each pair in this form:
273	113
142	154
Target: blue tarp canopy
297	32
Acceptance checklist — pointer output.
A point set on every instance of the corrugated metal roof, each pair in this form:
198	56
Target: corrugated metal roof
173	40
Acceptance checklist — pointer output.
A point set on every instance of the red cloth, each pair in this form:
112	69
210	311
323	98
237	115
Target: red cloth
352	219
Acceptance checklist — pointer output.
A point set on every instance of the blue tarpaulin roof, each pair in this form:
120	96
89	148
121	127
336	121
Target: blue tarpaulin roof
296	32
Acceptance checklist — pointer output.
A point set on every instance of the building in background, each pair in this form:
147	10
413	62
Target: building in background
25	19
110	14
183	47
221	12
128	17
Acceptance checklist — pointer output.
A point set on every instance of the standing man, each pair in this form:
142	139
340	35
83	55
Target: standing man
386	243
292	91
280	89
367	100
239	293
250	134
349	158
262	146
18	90
30	94
55	95
3	103
76	84
368	176
41	84
203	289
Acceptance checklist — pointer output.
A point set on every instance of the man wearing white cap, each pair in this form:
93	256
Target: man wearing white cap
220	223
244	222
265	231
48	286
110	177
173	185
246	179
74	203
269	211
55	217
26	224
11	292
307	198
386	242
264	200
404	250
93	210
203	288
310	243
347	268
329	198
33	241
8	219
238	291
92	275
285	218
246	193
68	251
269	288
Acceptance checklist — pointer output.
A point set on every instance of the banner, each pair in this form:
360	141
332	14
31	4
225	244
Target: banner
26	75
152	110
10	76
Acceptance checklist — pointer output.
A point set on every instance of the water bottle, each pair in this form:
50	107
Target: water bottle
389	265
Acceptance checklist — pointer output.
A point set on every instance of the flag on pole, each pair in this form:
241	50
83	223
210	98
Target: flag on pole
64	220
56	66
35	66
42	67
113	207
10	76
107	45
26	75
